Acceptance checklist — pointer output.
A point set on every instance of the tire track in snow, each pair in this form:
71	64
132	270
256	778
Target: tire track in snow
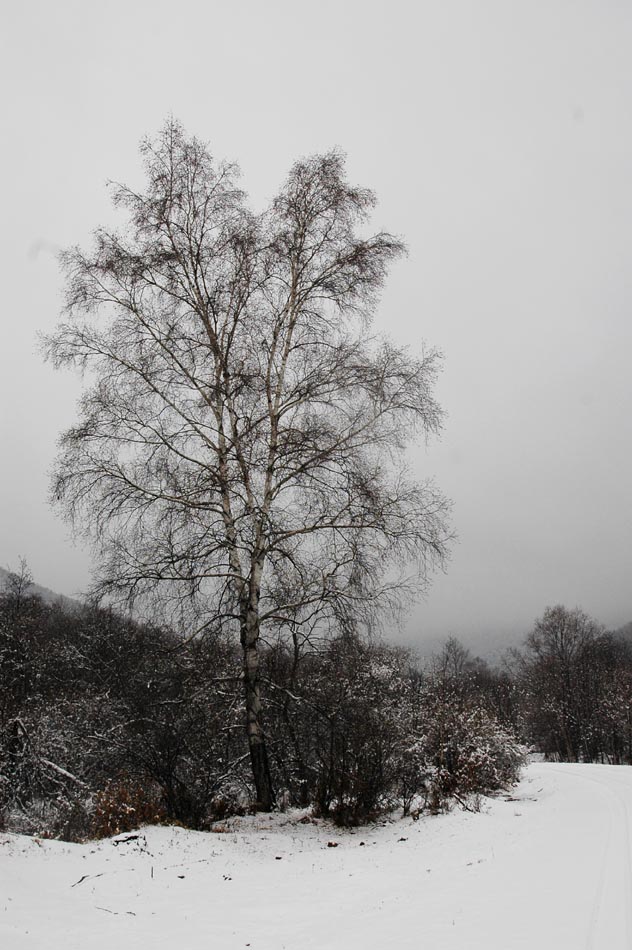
612	857
624	784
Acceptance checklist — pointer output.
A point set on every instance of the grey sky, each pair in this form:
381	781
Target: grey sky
498	136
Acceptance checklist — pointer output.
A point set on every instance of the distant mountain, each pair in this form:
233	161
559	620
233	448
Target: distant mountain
36	590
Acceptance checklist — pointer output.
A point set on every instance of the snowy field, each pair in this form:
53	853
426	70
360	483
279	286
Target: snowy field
547	869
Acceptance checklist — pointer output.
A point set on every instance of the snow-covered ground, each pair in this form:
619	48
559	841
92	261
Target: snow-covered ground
547	869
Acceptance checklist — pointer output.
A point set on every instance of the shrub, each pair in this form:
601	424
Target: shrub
125	804
471	752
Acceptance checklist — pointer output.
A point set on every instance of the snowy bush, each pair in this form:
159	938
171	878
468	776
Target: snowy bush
469	750
124	805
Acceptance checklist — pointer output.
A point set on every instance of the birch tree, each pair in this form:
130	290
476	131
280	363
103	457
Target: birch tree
241	435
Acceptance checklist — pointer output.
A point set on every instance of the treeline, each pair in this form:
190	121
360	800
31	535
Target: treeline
574	683
106	723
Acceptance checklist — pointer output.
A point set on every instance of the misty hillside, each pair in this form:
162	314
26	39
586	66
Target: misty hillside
490	646
47	595
625	632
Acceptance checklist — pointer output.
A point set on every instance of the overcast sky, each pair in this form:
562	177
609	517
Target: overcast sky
498	137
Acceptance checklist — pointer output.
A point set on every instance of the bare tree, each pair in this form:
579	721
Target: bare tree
561	670
18	584
453	661
241	440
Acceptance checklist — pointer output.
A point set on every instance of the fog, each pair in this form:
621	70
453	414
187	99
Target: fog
498	137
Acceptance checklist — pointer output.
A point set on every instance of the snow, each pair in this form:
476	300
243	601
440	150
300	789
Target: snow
547	867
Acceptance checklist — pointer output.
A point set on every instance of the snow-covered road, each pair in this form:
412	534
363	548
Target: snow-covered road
549	869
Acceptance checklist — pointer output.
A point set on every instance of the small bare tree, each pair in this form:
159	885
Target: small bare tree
18	584
242	436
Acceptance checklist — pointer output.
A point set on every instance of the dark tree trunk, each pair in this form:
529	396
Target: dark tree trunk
254	719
